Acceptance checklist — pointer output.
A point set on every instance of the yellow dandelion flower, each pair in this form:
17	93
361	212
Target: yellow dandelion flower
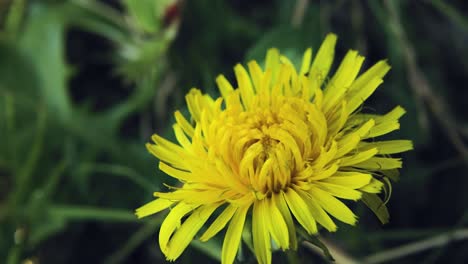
283	148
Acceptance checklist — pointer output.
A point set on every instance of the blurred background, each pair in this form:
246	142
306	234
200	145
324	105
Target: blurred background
84	84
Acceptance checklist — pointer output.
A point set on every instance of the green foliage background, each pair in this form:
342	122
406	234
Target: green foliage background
84	83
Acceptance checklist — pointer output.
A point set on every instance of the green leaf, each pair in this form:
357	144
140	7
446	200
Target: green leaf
98	18
377	206
42	41
14	67
42	229
316	241
26	170
393	174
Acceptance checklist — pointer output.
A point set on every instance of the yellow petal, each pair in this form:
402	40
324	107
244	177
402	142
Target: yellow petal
387	123
233	235
153	207
195	105
168	145
256	74
339	191
323	60
324	174
326	156
300	210
248	159
343	78
245	86
167	156
266	172
358	158
289	142
352	139
195	196
388	147
219	223
225	86
227	178
278	199
383	129
317	212
264	90
233	100
356	99
261	236
171	223
375	186
187	231
366	84
184	124
353	180
306	59
276	224
272	63
181	137
377	71
333	206
378	163
181	175
348	144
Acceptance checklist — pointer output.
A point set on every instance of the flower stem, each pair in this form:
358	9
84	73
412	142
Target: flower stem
70	212
416	247
133	242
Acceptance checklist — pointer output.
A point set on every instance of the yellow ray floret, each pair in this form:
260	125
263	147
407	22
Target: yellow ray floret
283	146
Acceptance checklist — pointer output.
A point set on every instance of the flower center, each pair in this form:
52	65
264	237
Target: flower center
268	146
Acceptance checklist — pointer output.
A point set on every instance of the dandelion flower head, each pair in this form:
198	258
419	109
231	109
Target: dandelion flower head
284	149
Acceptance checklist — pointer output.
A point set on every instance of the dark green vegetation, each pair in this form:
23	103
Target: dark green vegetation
83	85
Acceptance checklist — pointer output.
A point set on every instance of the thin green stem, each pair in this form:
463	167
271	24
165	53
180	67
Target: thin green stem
421	86
121	171
134	241
108	15
24	174
403	234
451	13
83	213
416	247
324	248
10	126
54	177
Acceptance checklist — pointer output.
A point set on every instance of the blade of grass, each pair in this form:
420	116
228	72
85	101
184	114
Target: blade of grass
24	174
84	213
120	171
424	93
451	13
120	255
416	247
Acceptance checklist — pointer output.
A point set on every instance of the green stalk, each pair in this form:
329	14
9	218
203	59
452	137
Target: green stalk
121	171
83	213
134	241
